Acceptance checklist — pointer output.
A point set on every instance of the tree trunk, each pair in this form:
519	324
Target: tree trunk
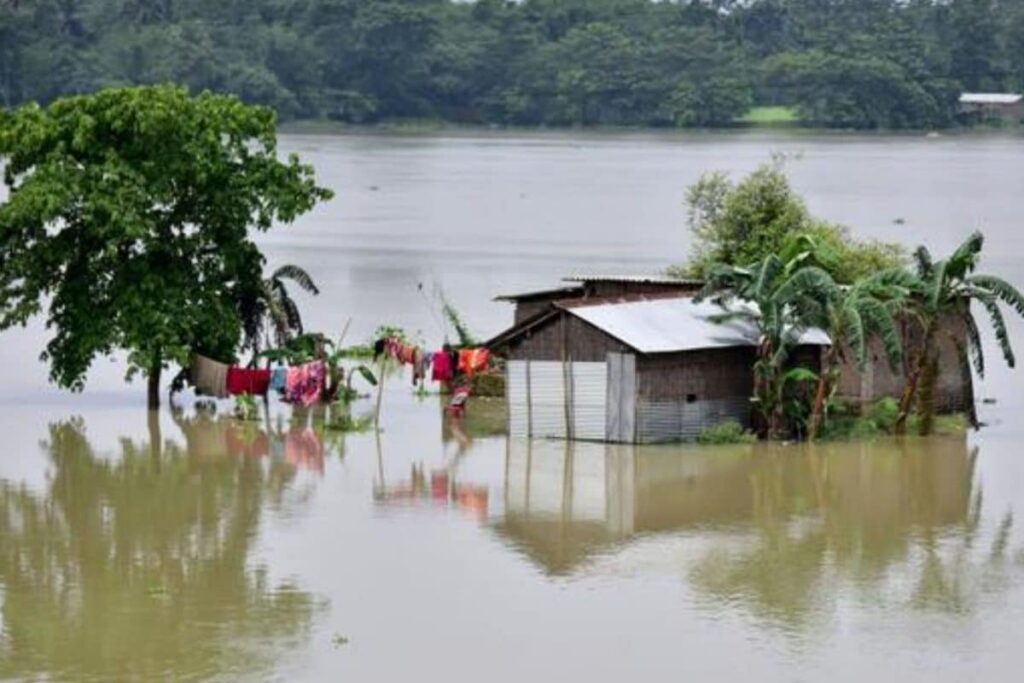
926	396
917	369
154	382
967	390
820	396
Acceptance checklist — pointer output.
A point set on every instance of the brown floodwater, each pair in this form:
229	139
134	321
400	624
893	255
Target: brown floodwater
186	546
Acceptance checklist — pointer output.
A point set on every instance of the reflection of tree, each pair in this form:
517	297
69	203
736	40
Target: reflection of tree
138	566
903	526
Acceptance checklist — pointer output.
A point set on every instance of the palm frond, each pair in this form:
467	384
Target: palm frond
936	286
296	275
965	258
853	331
923	260
881	323
766	271
1001	289
294	318
809	282
891	283
999	325
974	347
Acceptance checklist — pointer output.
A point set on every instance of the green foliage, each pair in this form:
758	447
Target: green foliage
880	419
271	313
246	408
879	64
862	91
466	338
948	288
344	422
727	432
740	223
770	116
884	414
788	297
129	220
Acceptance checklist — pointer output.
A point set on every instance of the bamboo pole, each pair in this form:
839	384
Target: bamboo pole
380	391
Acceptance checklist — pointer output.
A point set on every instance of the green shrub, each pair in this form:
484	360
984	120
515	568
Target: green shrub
884	413
729	431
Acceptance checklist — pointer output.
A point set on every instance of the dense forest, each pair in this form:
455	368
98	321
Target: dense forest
837	63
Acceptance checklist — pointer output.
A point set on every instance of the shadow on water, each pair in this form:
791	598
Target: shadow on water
136	564
780	532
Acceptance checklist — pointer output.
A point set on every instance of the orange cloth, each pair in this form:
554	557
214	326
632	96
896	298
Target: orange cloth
472	361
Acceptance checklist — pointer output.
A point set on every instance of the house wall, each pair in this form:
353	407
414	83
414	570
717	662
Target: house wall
681	394
583	342
527	309
879	380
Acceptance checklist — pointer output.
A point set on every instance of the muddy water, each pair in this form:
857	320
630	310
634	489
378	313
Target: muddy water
187	546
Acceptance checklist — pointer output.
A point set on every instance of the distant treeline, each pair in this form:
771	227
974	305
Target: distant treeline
839	63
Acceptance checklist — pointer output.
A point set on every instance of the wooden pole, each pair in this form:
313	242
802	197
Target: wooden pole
380	391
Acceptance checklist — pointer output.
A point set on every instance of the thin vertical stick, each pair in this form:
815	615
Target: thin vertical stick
380	391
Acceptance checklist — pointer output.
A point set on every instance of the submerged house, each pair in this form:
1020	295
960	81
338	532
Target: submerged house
636	360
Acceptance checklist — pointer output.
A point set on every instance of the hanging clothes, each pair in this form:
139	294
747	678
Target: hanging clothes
457	406
408	354
242	381
419	368
209	377
443	370
278	378
305	383
393	349
472	361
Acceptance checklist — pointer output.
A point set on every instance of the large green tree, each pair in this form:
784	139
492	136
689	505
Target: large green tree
129	223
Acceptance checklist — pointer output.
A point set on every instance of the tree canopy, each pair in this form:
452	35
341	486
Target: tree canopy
738	223
840	63
129	221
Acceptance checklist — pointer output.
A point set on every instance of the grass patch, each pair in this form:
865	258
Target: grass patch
726	432
770	116
879	419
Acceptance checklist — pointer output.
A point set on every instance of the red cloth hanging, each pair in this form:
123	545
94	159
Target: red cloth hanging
243	381
442	370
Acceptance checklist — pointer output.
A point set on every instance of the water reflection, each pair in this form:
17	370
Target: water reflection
297	439
135	564
780	532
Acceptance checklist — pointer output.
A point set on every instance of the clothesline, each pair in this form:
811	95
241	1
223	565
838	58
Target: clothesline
306	384
303	384
445	364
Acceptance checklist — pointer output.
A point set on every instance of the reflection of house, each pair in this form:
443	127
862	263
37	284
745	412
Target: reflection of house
635	360
567	502
992	106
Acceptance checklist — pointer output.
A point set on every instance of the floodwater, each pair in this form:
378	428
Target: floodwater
187	546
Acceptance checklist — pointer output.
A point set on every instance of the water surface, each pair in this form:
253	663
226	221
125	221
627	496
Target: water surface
187	545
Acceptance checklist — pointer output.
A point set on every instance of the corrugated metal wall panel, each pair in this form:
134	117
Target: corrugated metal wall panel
515	394
620	425
547	393
589	397
664	421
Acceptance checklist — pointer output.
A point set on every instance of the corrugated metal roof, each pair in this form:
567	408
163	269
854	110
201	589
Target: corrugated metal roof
678	324
634	279
990	98
566	289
